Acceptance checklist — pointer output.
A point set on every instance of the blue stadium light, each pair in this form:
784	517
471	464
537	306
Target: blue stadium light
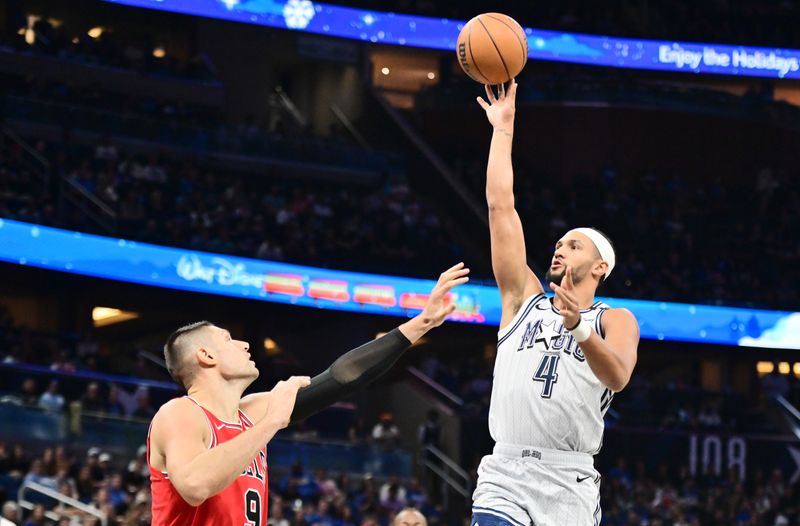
441	33
173	268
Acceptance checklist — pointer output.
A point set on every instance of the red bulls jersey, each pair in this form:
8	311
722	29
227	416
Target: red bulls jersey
243	503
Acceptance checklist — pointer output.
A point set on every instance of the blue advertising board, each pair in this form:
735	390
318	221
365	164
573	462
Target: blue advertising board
130	261
441	33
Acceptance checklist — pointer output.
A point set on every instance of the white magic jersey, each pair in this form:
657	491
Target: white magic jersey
544	393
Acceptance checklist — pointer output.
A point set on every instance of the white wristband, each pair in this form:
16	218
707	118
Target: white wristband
582	332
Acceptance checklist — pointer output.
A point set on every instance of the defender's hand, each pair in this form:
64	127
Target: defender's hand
283	397
439	306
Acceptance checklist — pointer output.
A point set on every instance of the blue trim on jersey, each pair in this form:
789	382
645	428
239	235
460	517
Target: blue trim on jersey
499	513
606	404
533	302
605	400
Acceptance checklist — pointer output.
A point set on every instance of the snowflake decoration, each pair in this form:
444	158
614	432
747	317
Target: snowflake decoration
298	13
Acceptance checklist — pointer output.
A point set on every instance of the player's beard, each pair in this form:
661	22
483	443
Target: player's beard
556	277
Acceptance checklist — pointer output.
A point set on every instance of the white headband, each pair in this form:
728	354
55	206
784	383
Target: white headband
603	246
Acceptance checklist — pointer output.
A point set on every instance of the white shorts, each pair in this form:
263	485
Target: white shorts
525	486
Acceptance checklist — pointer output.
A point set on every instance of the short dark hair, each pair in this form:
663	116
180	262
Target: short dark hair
173	350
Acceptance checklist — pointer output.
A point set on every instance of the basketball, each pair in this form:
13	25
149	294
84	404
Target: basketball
492	48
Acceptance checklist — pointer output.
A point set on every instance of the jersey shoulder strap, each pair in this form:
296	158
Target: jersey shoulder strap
210	418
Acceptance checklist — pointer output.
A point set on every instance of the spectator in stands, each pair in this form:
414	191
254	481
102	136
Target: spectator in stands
63	461
102	501
63	479
51	400
358	433
409	517
18	462
393	496
104	461
327	485
5	457
48	459
139	512
63	362
85	484
9	514
366	501
68	491
276	516
37	518
385	432
118	495
430	430
137	472
318	514
93	463
416	495
29	394
620	472
143	409
91	400
37	476
114	405
299	484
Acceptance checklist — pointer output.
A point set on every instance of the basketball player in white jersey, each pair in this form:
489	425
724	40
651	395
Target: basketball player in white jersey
560	360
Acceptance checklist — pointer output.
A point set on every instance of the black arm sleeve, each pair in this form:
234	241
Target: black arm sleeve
350	372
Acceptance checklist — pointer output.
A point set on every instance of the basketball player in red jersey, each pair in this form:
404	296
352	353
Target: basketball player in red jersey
207	450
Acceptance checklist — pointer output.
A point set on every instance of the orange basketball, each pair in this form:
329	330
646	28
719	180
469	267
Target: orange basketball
492	48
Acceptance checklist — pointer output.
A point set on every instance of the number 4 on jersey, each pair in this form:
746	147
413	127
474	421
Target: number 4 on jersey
546	373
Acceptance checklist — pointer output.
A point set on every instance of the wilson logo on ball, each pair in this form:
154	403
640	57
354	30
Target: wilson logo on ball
462	59
492	48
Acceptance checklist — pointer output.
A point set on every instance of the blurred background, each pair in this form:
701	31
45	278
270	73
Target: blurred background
210	128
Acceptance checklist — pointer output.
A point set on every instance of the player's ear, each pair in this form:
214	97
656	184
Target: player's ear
599	269
205	357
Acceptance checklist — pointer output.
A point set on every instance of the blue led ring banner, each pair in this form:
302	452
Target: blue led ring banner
118	259
441	33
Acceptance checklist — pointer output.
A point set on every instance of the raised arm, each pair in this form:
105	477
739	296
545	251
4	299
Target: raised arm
509	261
366	363
179	440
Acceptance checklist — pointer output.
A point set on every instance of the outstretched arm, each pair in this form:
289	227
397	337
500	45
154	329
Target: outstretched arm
509	261
365	364
179	438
